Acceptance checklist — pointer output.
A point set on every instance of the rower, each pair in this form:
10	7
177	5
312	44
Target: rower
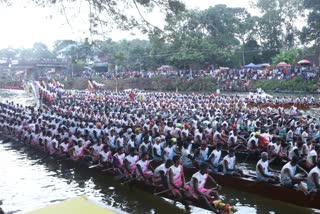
312	157
214	158
118	159
313	179
202	153
288	173
159	176
229	164
144	169
176	180
197	186
96	149
130	161
106	156
64	146
187	157
77	151
157	150
262	170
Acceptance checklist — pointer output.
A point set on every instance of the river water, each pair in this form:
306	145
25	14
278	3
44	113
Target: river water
28	182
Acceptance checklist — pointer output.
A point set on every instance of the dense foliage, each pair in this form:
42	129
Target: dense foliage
190	39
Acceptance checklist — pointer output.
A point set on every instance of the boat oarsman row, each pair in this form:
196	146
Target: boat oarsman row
160	139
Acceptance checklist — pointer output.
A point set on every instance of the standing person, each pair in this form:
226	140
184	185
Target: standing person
262	170
313	179
288	172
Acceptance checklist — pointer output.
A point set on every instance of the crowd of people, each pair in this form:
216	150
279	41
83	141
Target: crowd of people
237	79
176	131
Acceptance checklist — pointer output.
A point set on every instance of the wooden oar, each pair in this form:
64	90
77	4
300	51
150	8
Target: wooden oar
105	170
130	180
94	166
164	191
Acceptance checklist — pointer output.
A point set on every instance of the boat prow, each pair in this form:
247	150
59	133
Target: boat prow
79	205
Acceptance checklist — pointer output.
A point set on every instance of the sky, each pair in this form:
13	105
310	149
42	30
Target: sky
22	25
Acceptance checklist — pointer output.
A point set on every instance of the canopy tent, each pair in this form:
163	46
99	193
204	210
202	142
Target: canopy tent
251	65
262	65
78	205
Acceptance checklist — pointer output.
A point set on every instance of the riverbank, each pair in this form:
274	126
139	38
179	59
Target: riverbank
204	84
198	85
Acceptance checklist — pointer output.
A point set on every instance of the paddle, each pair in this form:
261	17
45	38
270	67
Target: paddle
94	166
105	170
164	191
130	180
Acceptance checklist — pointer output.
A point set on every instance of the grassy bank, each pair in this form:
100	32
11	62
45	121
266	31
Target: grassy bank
195	85
154	84
296	84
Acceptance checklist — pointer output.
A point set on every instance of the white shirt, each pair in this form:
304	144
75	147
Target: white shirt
97	148
158	149
201	178
132	160
143	165
265	166
310	182
216	158
310	156
120	158
292	170
292	153
231	163
106	156
176	171
184	156
160	168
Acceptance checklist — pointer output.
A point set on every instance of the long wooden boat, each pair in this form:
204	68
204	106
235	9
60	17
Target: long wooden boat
85	165
284	105
248	183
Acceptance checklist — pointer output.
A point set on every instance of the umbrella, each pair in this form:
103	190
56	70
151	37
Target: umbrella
304	61
283	64
266	65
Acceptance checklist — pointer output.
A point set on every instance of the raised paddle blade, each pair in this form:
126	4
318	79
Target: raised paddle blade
94	166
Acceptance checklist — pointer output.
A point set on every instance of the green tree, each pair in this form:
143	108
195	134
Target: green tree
312	30
276	28
41	51
111	13
288	56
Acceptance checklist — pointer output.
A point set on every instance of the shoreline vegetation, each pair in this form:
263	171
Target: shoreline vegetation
205	84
